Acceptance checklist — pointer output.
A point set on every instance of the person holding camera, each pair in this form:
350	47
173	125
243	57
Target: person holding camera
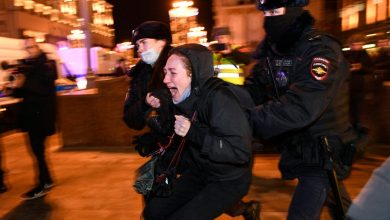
300	87
34	81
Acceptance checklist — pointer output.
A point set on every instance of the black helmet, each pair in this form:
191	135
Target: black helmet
264	5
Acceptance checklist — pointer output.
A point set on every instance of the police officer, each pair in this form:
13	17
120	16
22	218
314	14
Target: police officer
229	60
300	88
153	41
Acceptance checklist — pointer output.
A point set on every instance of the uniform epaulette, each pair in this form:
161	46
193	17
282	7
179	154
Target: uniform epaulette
315	37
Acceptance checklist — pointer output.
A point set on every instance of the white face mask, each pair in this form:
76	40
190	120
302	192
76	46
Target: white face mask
150	56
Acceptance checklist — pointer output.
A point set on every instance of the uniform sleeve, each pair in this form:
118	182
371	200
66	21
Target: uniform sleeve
227	138
135	107
255	84
314	85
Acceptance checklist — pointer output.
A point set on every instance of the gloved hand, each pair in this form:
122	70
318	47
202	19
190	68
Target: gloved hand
161	120
145	144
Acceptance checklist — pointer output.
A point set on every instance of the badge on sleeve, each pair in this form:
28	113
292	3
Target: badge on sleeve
319	68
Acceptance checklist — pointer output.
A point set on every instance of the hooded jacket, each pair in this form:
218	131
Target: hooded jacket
219	138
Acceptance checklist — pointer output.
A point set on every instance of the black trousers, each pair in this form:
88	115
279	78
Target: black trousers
195	198
37	144
1	161
1	167
312	193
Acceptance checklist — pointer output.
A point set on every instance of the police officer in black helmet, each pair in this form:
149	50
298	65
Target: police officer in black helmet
300	88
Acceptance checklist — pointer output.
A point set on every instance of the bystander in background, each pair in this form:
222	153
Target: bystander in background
382	61
361	65
34	81
230	60
121	68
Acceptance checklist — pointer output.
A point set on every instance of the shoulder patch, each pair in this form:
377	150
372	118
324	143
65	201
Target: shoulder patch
319	68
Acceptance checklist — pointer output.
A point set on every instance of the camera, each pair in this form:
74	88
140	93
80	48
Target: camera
20	67
218	47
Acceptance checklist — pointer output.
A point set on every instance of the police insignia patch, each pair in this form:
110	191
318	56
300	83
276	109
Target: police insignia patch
319	68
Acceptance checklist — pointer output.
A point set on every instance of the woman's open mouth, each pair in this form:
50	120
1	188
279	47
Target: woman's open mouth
173	91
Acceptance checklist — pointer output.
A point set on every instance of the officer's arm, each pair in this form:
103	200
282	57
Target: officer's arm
315	84
134	109
255	83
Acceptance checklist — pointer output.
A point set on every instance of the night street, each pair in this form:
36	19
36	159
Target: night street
96	184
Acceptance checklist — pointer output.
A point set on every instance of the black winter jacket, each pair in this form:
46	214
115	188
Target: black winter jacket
38	109
144	79
219	140
135	107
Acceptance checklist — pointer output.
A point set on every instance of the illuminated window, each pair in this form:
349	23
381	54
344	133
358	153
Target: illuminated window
350	16
376	10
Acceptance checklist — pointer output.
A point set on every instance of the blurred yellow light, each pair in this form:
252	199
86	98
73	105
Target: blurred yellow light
46	10
28	4
366	46
183	12
18	3
371	35
194	29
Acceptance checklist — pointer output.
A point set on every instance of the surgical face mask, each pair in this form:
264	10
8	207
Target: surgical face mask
150	56
185	95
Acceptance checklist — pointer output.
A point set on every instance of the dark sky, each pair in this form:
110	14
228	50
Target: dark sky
128	14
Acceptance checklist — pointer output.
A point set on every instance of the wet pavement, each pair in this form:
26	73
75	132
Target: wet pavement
97	183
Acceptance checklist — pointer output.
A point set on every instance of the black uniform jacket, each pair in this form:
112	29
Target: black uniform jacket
310	74
135	112
135	107
219	140
38	109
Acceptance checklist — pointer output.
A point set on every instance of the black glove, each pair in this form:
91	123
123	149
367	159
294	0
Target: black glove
161	120
145	144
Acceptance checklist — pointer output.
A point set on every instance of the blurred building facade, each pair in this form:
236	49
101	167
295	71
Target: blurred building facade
243	19
184	25
53	20
246	22
342	18
369	19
